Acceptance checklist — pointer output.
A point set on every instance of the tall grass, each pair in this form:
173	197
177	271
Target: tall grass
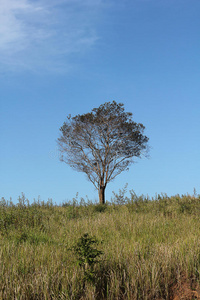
148	245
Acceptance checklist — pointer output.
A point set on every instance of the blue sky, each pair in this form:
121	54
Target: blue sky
63	57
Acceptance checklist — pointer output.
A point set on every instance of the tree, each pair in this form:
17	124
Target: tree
102	143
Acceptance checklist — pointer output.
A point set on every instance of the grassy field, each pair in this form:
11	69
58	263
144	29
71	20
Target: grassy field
148	247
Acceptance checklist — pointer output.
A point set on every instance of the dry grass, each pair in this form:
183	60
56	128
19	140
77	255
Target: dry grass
147	246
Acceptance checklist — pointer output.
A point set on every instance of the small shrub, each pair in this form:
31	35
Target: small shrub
100	208
119	198
87	255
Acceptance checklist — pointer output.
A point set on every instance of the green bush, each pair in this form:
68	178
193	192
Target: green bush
87	255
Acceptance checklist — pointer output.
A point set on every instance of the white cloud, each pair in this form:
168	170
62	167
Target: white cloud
43	34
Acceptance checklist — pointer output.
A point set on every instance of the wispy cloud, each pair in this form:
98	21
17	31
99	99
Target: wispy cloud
43	34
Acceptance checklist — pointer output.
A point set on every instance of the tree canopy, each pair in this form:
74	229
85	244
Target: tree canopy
102	143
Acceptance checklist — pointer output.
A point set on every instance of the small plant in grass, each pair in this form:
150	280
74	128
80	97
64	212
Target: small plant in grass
119	198
100	208
87	255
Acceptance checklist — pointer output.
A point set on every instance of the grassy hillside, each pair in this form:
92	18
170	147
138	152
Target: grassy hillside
149	247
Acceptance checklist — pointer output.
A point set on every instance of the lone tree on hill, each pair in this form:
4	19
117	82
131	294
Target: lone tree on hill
102	143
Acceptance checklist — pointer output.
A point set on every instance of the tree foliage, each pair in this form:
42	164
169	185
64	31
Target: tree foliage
102	143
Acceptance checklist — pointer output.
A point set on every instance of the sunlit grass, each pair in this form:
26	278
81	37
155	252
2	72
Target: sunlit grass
147	245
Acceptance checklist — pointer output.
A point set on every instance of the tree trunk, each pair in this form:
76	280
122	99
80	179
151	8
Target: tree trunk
102	195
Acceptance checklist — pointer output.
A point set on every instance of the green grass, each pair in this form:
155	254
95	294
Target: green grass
147	246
